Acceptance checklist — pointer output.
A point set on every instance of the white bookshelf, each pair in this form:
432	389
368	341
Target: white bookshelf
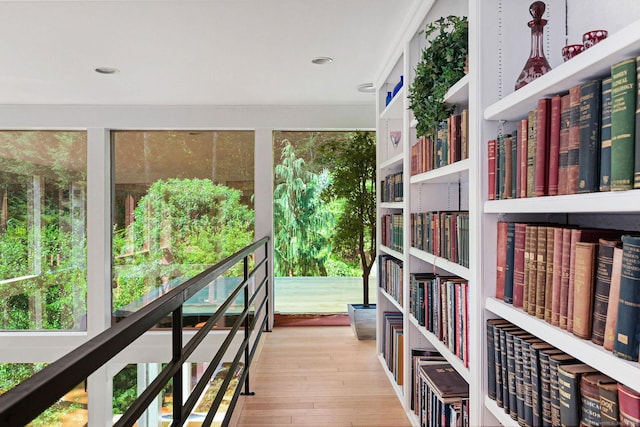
499	42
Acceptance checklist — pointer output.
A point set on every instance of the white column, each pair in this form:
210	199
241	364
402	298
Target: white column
263	191
99	265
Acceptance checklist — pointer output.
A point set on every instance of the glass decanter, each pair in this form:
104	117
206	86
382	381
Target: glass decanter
537	63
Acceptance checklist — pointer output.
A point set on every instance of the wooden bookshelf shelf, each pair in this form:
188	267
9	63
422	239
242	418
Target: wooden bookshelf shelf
392	205
621	370
387	250
442	263
394	162
458	94
453	360
454	173
498	412
392	300
624	201
592	63
394	110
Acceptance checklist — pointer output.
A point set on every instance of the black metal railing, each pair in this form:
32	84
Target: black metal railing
30	398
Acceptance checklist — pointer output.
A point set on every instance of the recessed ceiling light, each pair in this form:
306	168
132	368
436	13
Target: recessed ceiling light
106	70
320	60
366	88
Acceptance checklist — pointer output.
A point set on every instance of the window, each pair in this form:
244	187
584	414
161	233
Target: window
182	202
43	230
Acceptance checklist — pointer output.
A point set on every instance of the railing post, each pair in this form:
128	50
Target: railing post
266	288
176	340
247	390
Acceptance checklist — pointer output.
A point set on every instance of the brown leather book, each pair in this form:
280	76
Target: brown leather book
585	254
554	145
614	298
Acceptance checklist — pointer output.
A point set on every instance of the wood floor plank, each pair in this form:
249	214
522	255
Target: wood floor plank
318	376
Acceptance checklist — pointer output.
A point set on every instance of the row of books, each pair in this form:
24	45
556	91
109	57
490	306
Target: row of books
440	304
390	276
392	188
442	233
392	344
451	145
578	142
392	231
583	280
539	385
440	396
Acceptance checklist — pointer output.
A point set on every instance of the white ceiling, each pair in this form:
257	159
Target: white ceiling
215	52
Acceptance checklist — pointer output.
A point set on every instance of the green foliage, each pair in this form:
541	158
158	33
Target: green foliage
353	182
441	65
302	223
125	389
181	227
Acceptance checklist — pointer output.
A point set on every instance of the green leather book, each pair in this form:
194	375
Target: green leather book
605	136
623	112
627	338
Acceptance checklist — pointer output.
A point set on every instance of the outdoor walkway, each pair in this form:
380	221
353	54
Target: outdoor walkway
318	376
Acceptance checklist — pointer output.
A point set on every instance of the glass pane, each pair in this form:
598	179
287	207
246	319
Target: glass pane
313	274
183	201
43	230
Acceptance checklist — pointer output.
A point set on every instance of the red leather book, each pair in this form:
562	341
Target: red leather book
554	145
518	264
548	291
521	182
501	262
530	270
564	144
542	146
583	288
573	168
628	405
492	145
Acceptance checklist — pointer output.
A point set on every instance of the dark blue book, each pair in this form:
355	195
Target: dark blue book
627	338
589	151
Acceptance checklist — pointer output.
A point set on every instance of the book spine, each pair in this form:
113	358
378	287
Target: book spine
508	277
574	140
564	278
501	260
492	147
536	402
565	115
497	342
545	388
605	136
623	109
541	272
528	390
557	276
518	264
614	299
628	323
514	347
602	288
636	169
590	402
575	238
514	164
518	414
589	123
542	150
500	169
569	392
530	285
523	150
628	406
508	167
548	291
531	153
554	144
554	393
609	415
583	288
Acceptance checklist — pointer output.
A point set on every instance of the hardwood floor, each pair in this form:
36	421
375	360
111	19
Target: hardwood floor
318	376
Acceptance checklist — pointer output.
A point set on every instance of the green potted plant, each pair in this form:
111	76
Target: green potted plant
353	180
441	65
